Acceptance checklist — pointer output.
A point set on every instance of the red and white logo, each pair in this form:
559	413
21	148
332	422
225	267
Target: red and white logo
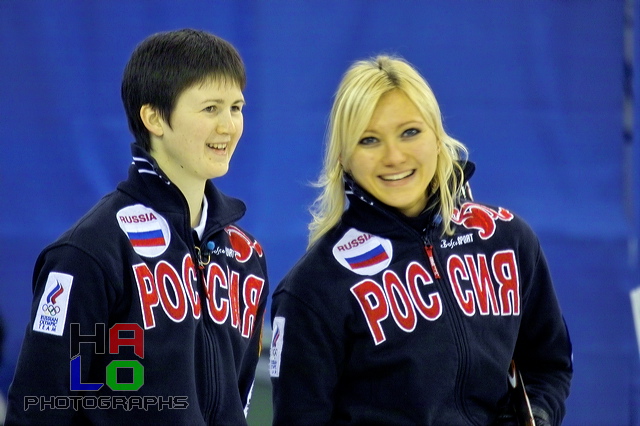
481	218
242	244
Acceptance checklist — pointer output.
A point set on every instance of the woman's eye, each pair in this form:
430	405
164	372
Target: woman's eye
410	132
367	141
211	108
236	108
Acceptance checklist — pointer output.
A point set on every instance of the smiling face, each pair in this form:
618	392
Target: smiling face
206	125
395	158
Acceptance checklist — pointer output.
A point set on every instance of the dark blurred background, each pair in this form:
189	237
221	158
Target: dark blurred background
540	91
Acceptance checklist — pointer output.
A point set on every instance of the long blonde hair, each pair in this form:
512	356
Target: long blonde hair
356	98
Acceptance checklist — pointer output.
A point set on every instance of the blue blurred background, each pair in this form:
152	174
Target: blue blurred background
540	91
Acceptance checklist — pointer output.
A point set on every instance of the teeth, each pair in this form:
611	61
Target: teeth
397	176
217	145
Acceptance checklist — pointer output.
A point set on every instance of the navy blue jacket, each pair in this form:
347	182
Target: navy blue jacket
133	261
385	322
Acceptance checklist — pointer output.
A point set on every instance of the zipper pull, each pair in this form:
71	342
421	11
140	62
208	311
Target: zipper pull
199	258
202	261
429	249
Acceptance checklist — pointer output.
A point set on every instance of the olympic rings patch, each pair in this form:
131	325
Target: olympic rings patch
53	310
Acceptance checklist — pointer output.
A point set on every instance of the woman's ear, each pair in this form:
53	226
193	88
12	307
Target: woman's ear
152	120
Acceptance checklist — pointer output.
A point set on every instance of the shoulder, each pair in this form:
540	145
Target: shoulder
115	223
339	259
222	208
308	269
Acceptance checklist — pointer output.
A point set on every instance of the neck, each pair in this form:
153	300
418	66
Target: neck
194	198
191	187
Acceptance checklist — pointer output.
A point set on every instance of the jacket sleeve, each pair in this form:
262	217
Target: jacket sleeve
42	380
543	351
305	362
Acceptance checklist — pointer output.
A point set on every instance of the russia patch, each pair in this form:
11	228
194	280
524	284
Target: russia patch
52	310
147	231
363	253
277	341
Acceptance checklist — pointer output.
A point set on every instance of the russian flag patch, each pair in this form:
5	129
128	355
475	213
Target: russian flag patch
372	257
147	239
363	253
147	231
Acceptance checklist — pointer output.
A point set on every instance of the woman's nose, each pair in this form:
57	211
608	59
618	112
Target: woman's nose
225	123
393	154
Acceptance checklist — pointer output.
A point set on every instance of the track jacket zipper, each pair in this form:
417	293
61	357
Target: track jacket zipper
428	248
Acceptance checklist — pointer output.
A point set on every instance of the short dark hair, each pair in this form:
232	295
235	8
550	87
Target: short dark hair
165	64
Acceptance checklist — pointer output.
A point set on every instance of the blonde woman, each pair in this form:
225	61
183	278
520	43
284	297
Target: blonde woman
412	300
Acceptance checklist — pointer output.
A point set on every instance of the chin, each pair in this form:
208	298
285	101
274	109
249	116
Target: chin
219	172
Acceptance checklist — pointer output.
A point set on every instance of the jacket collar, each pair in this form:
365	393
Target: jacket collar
148	184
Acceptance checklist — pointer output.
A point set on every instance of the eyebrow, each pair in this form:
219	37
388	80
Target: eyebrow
221	101
403	124
410	122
